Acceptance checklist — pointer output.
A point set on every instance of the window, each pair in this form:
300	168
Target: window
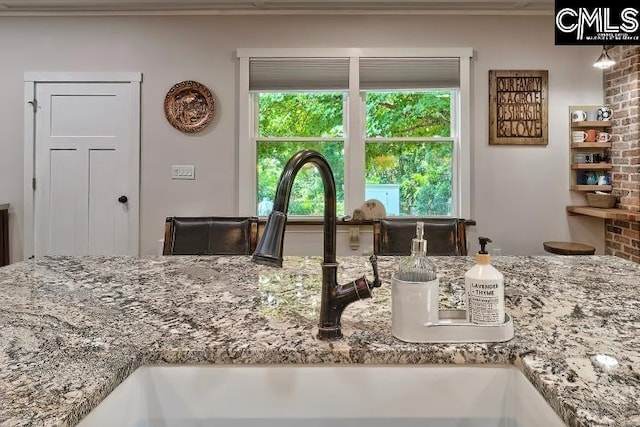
391	123
288	123
409	147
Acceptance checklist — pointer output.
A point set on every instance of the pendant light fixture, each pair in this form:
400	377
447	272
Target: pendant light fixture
604	60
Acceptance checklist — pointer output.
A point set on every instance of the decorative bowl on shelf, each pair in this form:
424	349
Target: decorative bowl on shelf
601	200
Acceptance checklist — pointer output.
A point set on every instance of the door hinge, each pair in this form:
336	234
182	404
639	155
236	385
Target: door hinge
33	183
34	104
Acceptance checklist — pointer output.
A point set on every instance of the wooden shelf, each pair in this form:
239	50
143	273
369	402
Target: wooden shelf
613	213
576	187
587	145
577	171
591	166
591	124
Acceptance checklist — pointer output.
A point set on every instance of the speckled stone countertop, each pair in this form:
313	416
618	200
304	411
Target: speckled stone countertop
72	328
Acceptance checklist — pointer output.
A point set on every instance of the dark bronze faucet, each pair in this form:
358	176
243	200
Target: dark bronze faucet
335	298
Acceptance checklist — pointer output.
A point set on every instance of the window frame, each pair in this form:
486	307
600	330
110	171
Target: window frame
354	139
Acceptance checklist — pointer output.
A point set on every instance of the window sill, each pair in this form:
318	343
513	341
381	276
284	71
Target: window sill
320	221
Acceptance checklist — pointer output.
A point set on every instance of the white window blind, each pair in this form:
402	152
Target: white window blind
409	73
277	74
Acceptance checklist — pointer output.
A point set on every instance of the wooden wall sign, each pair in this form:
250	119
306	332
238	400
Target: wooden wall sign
518	107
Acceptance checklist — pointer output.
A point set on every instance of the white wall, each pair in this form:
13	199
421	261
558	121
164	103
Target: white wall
519	193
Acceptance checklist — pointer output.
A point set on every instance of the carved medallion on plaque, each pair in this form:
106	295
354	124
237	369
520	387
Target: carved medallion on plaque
189	106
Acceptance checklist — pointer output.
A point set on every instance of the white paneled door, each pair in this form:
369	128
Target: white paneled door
85	155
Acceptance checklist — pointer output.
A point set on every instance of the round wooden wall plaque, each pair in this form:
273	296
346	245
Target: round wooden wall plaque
189	106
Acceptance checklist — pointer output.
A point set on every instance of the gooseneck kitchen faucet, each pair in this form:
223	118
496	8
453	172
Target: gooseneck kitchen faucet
335	298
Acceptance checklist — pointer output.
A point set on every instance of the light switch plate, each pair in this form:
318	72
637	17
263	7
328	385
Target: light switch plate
183	172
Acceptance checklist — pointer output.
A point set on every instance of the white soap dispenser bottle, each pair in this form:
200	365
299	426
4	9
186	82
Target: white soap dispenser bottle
484	286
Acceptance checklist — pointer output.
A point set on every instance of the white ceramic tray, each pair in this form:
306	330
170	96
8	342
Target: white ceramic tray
453	327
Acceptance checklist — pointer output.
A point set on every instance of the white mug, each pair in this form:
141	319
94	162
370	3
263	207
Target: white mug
604	137
578	116
578	136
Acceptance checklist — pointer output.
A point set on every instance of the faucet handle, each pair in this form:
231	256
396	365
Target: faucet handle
376	278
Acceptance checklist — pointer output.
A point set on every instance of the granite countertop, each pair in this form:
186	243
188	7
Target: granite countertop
72	328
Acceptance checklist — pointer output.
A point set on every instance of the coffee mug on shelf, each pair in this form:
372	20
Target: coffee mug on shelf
579	116
604	113
592	178
592	115
580	158
592	135
604	137
604	180
578	136
581	178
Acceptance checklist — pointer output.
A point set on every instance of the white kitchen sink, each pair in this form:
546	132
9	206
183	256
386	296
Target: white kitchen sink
336	396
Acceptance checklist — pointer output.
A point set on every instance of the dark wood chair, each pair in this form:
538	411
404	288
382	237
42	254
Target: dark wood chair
4	235
212	235
445	236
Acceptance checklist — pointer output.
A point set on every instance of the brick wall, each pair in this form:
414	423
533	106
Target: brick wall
622	94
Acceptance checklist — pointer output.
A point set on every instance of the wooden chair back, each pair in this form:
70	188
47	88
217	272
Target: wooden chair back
445	236
210	235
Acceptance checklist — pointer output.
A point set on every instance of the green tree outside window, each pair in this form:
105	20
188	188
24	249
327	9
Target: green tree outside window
422	169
